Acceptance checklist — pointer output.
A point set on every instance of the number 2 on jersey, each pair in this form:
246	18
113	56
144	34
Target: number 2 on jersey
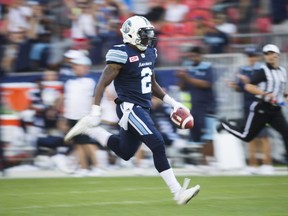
146	74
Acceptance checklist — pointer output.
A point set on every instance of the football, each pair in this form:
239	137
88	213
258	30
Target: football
182	119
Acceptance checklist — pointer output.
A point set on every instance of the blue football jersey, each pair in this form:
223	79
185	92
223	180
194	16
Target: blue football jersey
202	96
133	84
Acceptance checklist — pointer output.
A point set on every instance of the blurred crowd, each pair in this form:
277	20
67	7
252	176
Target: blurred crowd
34	34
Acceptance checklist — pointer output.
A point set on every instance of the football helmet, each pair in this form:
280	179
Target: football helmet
138	31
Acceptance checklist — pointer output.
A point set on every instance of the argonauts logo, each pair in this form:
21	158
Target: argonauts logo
126	26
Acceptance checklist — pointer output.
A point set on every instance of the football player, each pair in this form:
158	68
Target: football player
131	66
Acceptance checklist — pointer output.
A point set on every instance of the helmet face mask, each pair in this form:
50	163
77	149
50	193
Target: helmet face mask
146	36
138	31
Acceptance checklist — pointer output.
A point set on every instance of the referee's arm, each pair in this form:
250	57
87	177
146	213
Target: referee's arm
251	87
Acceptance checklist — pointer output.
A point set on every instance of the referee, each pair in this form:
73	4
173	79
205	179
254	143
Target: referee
268	84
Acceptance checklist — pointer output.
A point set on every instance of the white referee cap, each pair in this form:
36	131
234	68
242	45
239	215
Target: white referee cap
82	60
271	48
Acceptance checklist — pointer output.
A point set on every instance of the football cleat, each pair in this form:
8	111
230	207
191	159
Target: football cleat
77	129
185	195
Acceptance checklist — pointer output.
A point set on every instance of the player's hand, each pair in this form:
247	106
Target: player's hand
178	105
175	104
93	119
90	121
182	74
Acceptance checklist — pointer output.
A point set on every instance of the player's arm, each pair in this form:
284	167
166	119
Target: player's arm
184	76
109	74
159	93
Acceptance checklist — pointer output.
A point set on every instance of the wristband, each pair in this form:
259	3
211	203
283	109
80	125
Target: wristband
95	110
169	100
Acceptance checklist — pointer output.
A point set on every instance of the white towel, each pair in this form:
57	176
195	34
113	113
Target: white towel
126	109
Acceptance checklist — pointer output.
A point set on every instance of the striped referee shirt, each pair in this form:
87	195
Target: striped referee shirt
271	80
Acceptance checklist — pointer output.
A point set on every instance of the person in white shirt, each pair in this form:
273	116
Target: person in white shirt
78	97
175	11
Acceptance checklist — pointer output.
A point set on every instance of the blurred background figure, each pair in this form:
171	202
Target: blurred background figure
83	23
261	142
197	79
78	97
175	11
279	15
65	68
268	84
215	39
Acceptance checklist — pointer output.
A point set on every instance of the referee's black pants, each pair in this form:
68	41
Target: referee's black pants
261	113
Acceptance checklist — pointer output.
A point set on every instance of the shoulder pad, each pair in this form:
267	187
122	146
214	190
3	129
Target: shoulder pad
117	54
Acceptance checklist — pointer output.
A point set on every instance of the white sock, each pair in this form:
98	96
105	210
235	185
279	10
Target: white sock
99	134
171	181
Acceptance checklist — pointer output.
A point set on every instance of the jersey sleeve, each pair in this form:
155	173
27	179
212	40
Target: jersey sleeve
117	55
258	77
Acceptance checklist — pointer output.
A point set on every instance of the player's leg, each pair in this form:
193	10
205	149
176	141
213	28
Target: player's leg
124	145
147	132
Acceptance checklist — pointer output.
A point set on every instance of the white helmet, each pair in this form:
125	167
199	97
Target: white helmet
271	48
138	31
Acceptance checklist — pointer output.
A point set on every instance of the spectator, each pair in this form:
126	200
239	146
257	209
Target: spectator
246	10
15	57
49	127
78	96
155	13
200	27
217	41
223	25
139	7
175	11
83	24
18	16
108	18
65	69
59	44
197	78
40	32
279	13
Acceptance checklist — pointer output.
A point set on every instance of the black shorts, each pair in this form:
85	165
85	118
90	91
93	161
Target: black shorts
82	138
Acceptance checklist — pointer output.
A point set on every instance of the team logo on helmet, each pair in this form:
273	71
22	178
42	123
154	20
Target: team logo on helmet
126	26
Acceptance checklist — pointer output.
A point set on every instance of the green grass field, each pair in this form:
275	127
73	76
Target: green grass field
147	196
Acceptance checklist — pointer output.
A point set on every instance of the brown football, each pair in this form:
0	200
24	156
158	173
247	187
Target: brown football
182	119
